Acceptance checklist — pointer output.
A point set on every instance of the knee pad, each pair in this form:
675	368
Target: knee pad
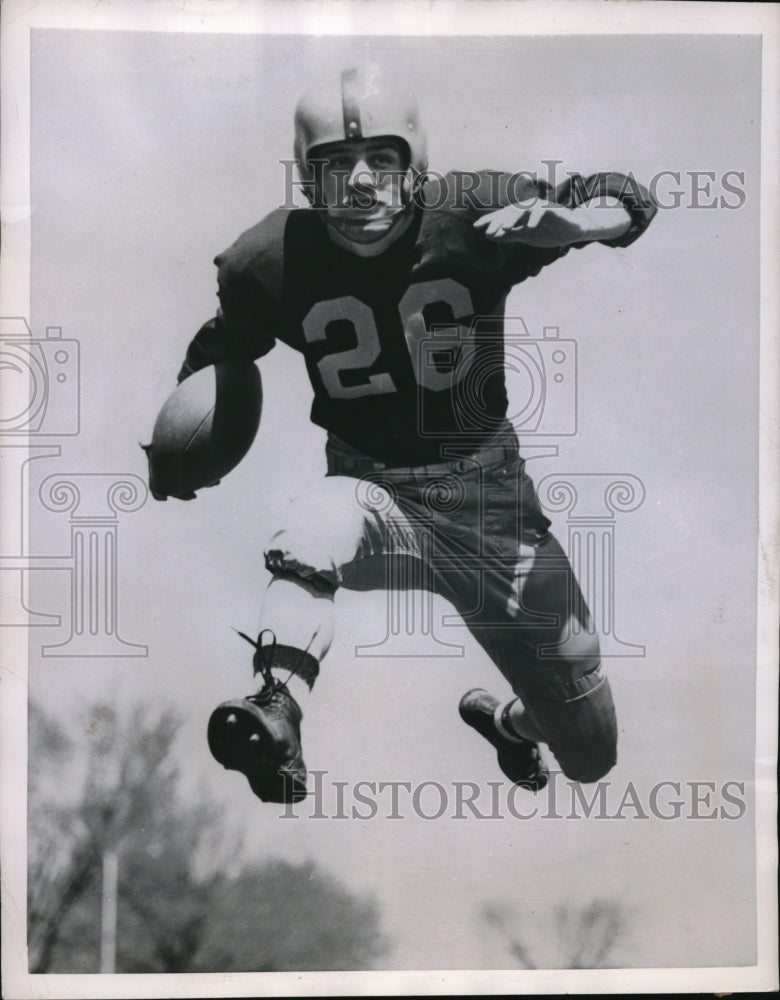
579	647
319	533
596	765
580	726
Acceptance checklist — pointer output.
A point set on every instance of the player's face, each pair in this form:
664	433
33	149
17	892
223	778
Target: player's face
361	186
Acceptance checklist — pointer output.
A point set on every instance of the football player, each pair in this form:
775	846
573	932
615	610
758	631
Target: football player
392	286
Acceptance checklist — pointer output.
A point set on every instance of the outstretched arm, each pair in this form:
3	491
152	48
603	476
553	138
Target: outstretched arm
548	224
610	208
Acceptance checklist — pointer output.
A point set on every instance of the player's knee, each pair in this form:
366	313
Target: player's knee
585	729
593	755
305	552
593	765
317	535
582	648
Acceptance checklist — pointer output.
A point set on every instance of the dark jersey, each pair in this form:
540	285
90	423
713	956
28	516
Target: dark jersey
405	350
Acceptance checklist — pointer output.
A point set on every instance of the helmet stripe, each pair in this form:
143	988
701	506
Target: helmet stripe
353	127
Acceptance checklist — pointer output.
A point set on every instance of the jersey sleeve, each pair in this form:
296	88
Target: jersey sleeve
490	190
497	189
632	195
249	318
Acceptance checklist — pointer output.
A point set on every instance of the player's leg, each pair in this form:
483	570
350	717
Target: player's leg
324	538
563	697
568	691
524	605
323	535
300	614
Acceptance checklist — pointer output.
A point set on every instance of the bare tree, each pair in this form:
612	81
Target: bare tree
588	935
496	918
118	791
570	937
79	808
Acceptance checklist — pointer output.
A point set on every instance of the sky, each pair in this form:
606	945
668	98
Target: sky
149	155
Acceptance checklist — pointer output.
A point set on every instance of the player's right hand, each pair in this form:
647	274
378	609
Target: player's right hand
147	448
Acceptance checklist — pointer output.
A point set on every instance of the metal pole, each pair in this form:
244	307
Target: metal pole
108	916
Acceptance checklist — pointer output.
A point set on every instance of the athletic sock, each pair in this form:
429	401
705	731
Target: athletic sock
293	685
508	725
514	722
504	725
295	668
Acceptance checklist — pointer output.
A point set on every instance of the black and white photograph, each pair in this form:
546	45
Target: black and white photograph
389	484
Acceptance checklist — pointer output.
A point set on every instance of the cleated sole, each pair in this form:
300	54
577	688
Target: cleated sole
238	741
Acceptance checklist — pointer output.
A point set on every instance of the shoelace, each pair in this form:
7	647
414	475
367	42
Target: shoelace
263	661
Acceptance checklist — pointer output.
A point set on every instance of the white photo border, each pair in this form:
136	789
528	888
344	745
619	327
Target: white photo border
440	17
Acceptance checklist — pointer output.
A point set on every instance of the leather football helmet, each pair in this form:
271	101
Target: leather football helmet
357	106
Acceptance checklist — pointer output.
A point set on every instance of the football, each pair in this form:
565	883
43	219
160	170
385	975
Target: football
204	429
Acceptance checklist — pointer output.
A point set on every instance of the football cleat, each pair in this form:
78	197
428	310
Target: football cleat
518	758
260	736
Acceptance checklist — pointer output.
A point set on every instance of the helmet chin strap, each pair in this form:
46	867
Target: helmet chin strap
376	247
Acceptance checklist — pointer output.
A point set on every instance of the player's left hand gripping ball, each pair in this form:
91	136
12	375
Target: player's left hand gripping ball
204	429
